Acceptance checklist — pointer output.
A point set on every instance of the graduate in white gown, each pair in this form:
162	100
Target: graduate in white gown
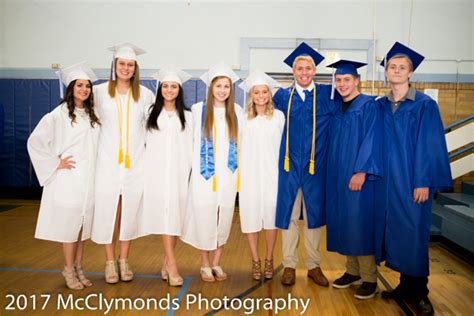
62	149
121	104
169	145
261	130
214	177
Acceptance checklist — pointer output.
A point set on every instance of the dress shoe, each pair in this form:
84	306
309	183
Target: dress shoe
289	276
424	306
318	277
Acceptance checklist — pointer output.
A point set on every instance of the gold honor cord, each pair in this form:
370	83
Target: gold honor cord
118	102
286	165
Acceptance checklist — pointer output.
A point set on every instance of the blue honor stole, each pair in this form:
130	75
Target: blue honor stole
207	152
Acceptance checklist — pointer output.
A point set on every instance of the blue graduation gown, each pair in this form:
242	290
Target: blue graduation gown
415	156
301	130
355	145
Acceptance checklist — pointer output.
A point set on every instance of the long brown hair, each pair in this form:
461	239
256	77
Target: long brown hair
252	109
135	82
230	118
88	104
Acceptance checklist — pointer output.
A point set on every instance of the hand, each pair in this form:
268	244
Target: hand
420	195
66	163
357	181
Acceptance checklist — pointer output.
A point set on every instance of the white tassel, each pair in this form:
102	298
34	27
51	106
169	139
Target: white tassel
333	85
61	85
113	68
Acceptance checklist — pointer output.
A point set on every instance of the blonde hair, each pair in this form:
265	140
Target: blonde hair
252	108
410	64
304	57
230	117
134	82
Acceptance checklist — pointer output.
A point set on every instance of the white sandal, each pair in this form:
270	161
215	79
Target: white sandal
219	274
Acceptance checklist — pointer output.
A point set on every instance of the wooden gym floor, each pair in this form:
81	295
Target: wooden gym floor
31	283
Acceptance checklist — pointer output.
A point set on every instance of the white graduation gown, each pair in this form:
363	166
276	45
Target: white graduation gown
209	214
167	168
112	179
67	203
259	153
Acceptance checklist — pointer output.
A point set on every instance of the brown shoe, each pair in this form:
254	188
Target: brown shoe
318	277
289	276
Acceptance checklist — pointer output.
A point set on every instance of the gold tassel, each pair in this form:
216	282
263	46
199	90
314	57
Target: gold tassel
287	164
214	184
127	161
120	156
311	167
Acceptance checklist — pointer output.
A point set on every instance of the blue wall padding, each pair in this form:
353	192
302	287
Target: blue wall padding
7	154
26	101
23	93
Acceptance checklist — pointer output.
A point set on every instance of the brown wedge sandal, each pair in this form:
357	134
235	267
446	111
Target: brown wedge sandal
256	270
268	270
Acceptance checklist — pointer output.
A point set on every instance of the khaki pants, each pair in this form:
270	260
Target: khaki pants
364	266
290	238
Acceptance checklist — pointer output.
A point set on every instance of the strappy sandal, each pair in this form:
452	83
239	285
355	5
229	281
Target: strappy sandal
207	275
71	279
111	274
257	270
219	274
82	278
268	270
125	273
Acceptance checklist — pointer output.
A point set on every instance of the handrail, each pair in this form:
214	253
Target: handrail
461	122
460	152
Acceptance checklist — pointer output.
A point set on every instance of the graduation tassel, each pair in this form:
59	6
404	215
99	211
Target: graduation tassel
311	167
333	85
214	183
127	161
113	68
384	71
61	87
120	156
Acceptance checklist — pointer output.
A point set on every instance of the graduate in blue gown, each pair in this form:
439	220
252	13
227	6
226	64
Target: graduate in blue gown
416	166
302	164
354	168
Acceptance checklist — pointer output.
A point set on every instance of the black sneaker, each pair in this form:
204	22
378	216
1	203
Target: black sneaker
346	280
424	306
366	290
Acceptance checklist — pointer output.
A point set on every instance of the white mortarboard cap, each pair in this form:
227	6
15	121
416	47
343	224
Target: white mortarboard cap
172	74
126	51
258	77
220	69
74	72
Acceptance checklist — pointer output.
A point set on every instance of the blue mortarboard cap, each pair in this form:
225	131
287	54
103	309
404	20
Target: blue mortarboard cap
304	50
346	67
398	49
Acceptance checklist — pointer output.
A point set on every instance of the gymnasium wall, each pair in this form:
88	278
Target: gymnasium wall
194	34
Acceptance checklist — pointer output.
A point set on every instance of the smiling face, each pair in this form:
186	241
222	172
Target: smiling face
124	69
260	95
169	90
82	91
399	70
346	85
221	90
304	71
